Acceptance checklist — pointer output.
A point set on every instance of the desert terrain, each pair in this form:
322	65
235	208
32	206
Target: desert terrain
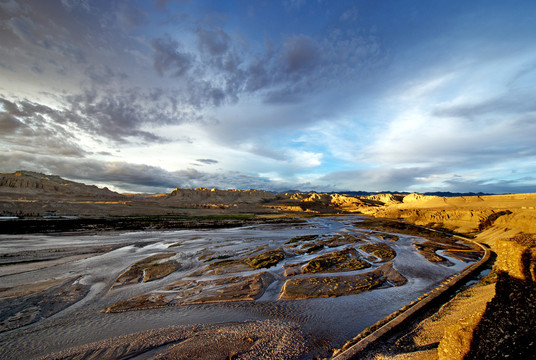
209	273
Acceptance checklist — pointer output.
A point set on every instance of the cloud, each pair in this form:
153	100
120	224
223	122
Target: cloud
299	54
169	59
378	179
511	103
131	16
429	178
30	127
215	41
123	116
120	117
9	123
493	186
207	161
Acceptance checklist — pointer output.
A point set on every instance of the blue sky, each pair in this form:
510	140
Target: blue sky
312	95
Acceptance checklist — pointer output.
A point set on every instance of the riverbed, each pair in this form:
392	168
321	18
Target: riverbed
84	269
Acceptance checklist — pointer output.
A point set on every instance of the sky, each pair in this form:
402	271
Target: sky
310	95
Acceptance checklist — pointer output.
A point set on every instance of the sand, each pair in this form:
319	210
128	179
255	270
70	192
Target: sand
267	339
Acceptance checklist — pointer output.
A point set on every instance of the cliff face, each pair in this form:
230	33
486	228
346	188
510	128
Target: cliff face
27	183
516	257
506	329
467	215
216	196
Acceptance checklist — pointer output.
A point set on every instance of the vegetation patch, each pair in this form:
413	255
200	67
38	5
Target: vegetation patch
266	259
160	270
387	225
297	239
234	288
223	263
344	260
204	257
211	256
327	286
428	250
339	240
379	250
151	268
312	247
312	287
389	237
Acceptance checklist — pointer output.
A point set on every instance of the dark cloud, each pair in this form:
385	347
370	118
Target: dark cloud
9	123
22	27
300	55
29	127
215	41
513	102
168	59
493	186
224	70
29	27
120	115
207	161
102	74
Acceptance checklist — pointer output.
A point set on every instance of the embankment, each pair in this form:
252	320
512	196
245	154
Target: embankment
507	224
407	315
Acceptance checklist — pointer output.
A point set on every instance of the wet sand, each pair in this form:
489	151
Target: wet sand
266	339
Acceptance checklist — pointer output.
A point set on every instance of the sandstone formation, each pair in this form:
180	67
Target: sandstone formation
26	183
216	196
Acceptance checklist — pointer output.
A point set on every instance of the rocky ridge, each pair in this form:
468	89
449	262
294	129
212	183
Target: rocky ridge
31	183
216	196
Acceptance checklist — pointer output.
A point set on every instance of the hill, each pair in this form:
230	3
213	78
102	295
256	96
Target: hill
29	183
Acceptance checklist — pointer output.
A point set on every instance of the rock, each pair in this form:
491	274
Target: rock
456	342
517	259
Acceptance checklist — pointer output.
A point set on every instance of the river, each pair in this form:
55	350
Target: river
331	321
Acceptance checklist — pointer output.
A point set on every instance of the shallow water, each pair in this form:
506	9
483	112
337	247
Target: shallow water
334	320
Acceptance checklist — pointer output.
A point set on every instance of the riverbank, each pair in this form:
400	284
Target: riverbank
492	321
136	223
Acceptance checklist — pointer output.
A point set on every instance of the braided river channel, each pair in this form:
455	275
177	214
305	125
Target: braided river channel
60	292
